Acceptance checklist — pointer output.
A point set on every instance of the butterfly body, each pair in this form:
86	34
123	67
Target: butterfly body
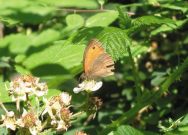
97	63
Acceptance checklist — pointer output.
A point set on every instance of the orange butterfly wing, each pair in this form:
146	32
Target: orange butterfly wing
97	63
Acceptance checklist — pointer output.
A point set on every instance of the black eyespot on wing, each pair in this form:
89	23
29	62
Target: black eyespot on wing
93	47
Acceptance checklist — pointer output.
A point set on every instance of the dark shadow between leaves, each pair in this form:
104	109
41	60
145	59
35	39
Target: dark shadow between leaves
35	49
49	70
29	18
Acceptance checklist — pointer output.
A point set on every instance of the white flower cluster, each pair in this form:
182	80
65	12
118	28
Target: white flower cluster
27	120
55	112
58	110
24	86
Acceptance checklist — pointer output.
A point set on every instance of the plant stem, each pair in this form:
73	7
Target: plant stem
3	107
135	73
89	10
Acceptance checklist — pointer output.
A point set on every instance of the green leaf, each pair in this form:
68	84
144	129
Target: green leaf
74	21
53	92
45	37
146	22
169	28
24	11
71	3
185	120
153	2
17	43
22	70
159	78
115	41
66	56
124	19
181	5
138	49
102	19
3	131
54	81
128	130
4	97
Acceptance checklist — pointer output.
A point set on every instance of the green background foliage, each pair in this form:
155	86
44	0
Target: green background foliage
147	94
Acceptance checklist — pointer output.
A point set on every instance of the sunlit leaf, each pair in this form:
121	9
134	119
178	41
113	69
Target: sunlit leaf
66	56
74	21
102	19
4	96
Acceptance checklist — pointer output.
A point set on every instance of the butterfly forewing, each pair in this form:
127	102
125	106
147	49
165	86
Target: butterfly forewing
92	51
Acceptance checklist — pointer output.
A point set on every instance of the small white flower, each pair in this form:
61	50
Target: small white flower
88	86
9	120
40	90
61	126
52	106
30	120
37	128
53	122
65	98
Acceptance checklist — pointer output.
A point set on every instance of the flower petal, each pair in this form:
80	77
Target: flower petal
97	86
77	89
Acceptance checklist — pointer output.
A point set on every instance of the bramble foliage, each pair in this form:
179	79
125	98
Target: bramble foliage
147	39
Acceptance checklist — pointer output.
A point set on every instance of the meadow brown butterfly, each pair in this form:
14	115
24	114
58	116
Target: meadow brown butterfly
97	63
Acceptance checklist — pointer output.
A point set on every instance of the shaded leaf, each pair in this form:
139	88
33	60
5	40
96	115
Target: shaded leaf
128	130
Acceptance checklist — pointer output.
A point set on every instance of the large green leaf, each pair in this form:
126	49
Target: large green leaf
66	56
115	41
102	19
45	37
20	43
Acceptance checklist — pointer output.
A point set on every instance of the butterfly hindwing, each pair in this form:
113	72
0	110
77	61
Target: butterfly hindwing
102	66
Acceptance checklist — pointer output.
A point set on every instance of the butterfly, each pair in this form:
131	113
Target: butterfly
96	62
